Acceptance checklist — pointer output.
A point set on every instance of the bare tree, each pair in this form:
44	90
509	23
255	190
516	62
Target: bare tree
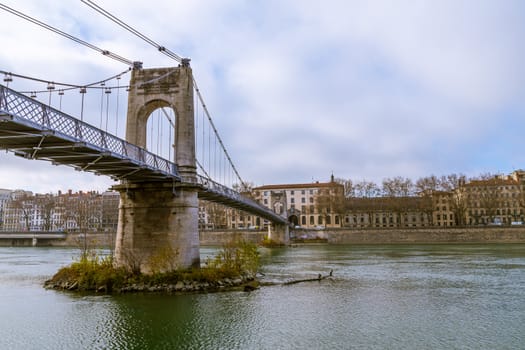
397	187
427	184
366	189
84	210
452	181
46	203
489	198
243	187
23	202
217	214
458	205
348	187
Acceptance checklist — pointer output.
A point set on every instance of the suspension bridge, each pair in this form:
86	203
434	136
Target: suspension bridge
159	191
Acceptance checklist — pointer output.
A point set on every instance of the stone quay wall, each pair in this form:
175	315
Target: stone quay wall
492	234
219	238
430	235
434	235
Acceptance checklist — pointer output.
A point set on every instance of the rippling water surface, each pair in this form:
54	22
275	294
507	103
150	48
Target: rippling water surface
381	297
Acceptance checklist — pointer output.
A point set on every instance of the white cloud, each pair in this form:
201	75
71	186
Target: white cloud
300	88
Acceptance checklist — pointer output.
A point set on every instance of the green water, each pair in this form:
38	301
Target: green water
381	297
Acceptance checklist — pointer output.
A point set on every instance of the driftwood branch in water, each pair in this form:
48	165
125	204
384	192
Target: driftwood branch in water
319	278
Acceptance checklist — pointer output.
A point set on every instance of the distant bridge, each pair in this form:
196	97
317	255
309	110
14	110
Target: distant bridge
30	238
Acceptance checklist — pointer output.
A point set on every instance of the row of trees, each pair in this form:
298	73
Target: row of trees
399	186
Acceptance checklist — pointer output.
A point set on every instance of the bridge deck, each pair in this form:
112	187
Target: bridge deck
31	235
214	192
36	131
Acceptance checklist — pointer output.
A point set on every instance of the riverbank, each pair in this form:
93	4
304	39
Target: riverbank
241	283
434	235
427	235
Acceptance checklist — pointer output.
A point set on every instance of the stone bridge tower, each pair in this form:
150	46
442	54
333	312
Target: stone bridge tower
158	221
278	203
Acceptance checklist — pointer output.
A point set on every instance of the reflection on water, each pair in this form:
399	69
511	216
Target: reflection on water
396	297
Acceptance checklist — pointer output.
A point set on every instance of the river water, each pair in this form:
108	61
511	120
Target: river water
381	297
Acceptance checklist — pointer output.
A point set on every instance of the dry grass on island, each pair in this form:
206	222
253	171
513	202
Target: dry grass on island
234	267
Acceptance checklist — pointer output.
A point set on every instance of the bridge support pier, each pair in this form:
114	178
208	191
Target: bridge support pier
158	227
279	233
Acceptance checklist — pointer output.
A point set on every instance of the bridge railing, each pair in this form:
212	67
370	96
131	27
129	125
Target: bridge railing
217	188
44	116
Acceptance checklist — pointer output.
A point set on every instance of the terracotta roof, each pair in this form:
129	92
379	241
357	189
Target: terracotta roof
297	186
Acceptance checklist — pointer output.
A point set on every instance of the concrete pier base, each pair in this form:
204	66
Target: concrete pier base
158	227
279	234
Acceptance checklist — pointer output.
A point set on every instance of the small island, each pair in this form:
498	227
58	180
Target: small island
234	268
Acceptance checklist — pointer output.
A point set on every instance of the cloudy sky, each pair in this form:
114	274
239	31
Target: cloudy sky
300	89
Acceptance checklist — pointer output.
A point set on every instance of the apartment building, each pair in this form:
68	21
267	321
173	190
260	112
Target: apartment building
307	205
88	211
496	201
388	212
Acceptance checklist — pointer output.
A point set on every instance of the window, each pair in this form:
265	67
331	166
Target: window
302	192
292	200
311	199
311	220
292	192
303	200
311	191
303	220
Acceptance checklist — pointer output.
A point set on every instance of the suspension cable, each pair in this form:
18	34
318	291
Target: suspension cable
132	30
207	113
203	170
70	37
107	92
101	104
69	86
116	111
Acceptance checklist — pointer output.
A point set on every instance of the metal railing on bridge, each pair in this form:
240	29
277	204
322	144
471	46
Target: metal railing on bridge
35	130
215	192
